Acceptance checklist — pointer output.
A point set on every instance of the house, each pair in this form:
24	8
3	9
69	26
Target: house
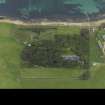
71	58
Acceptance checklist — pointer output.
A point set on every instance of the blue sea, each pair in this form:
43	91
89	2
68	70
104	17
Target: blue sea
51	8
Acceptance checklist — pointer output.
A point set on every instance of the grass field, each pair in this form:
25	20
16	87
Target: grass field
12	75
9	59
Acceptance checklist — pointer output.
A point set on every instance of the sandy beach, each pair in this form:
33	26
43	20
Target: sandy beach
53	23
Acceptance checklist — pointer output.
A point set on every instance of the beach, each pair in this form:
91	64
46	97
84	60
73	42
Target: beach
53	23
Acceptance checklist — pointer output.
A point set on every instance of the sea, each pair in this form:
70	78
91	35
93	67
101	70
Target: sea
52	9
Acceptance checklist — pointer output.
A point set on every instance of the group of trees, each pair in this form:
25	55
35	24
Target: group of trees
85	48
47	51
43	53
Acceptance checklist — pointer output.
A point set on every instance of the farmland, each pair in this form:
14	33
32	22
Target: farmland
14	75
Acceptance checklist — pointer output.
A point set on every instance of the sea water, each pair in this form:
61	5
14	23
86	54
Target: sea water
27	8
87	6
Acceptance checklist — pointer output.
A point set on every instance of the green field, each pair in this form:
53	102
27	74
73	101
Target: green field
13	75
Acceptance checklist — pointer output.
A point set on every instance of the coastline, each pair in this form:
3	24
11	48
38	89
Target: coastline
44	22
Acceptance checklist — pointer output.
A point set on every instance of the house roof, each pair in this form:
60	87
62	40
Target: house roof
71	57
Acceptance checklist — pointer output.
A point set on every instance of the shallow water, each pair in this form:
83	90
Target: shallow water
51	8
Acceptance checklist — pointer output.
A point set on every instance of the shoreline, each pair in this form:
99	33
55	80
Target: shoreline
44	22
